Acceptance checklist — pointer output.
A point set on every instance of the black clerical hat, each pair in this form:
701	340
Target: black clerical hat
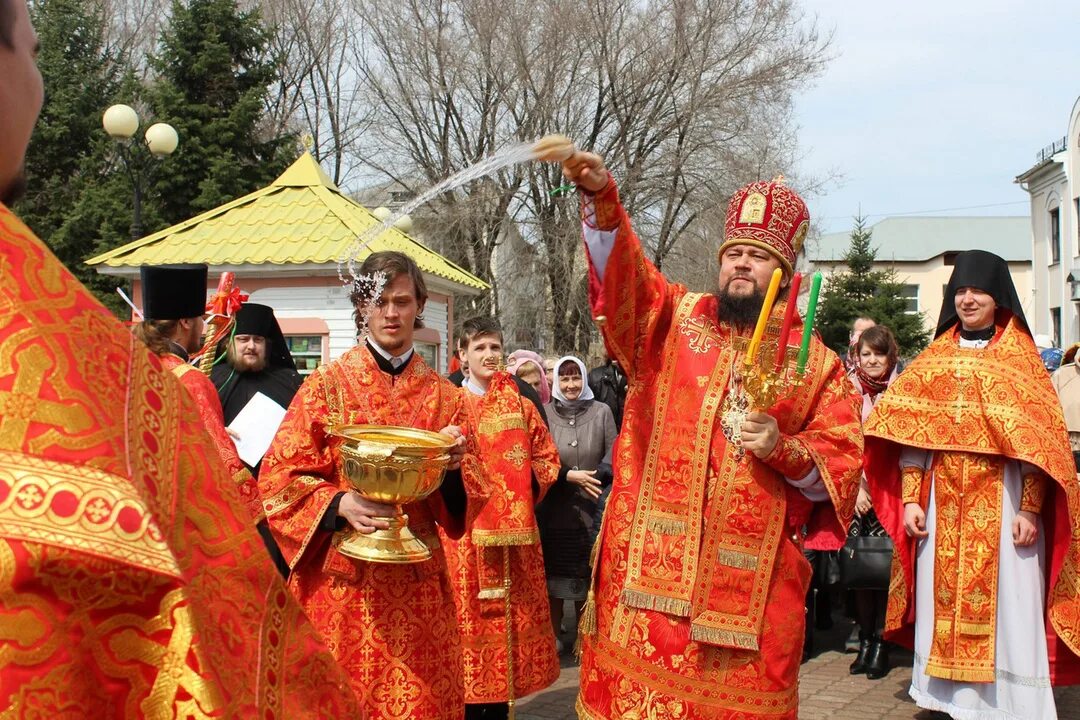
173	292
256	319
987	272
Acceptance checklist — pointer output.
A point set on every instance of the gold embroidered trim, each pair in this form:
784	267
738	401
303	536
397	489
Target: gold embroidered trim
583	712
489	538
937	670
736	559
183	369
504	422
945	627
725	638
911	480
647	601
290	494
80	508
667	525
1034	492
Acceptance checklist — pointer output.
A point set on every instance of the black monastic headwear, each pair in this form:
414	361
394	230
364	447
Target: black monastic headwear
173	292
987	272
256	319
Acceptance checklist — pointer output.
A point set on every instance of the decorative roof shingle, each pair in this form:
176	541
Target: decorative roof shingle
300	218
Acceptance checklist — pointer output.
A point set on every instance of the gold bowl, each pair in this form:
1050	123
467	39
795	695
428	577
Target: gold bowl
394	466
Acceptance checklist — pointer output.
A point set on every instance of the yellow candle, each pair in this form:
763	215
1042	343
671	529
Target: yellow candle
763	318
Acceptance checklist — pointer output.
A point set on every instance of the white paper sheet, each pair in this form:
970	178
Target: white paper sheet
256	426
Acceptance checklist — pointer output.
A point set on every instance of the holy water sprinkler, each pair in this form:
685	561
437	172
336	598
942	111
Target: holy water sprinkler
553	148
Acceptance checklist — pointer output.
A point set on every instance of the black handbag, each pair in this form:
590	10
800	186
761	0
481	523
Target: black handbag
865	560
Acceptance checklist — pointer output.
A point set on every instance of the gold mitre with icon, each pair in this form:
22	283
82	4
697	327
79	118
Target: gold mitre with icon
770	215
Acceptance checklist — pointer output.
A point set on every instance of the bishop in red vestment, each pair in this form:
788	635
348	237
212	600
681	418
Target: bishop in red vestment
697	600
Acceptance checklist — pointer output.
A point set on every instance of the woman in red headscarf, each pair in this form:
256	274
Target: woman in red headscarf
875	354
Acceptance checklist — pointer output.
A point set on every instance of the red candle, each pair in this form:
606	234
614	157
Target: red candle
789	316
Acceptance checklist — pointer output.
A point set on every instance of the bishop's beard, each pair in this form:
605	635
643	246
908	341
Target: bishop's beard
739	311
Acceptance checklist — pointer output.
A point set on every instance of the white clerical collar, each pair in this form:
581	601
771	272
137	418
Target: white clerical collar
973	344
394	360
473	387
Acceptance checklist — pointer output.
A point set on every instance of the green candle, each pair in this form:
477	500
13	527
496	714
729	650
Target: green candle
808	324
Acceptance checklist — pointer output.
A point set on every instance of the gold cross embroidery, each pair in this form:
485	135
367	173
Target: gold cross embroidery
702	334
173	670
517	456
23	405
982	516
961	386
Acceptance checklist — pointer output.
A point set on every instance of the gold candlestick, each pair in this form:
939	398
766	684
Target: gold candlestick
758	383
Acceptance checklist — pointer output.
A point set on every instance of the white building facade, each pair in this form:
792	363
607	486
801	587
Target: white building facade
1054	190
922	250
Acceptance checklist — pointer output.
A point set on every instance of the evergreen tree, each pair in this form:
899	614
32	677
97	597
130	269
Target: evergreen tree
213	75
862	291
71	200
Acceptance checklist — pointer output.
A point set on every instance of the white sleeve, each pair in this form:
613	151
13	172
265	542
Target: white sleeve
599	242
914	457
811	486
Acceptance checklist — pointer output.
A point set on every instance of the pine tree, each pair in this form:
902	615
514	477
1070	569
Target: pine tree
862	291
213	74
71	200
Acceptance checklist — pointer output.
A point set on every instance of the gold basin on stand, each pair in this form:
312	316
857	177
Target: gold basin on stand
394	466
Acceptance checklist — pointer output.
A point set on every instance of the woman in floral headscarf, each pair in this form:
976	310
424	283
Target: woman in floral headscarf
529	366
584	431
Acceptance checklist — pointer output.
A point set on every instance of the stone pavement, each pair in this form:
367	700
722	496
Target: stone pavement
826	690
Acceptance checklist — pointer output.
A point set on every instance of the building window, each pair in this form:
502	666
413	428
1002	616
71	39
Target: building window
1055	320
428	351
1055	236
910	296
306	351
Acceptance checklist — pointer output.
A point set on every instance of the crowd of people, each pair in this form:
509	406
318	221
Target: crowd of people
153	565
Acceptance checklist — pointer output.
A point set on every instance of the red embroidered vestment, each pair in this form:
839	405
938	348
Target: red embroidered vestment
498	565
130	585
700	580
393	628
977	409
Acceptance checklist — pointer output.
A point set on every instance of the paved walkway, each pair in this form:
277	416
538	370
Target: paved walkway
826	690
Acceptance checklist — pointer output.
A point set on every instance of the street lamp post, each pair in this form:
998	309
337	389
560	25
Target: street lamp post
159	140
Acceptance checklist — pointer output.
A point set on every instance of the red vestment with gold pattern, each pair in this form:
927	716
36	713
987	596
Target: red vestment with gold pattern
129	585
977	409
204	393
393	628
497	566
700	581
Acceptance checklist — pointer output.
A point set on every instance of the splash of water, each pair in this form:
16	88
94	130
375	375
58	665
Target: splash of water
522	152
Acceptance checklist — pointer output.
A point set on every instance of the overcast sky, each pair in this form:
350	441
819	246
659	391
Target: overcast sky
934	105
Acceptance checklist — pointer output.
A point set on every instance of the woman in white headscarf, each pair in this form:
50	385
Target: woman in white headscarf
584	431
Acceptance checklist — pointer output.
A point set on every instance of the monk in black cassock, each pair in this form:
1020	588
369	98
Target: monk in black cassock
257	360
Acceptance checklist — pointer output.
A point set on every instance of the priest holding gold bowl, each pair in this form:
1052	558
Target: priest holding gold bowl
351	489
